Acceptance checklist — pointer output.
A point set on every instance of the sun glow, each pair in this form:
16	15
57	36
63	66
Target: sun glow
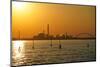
28	17
19	5
18	44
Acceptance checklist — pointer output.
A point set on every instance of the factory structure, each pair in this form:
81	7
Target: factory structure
43	35
47	36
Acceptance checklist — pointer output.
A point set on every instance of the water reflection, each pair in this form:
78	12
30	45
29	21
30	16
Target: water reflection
71	51
18	48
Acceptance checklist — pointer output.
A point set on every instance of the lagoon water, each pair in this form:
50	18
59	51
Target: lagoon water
29	52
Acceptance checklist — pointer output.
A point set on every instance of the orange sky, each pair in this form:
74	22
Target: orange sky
30	18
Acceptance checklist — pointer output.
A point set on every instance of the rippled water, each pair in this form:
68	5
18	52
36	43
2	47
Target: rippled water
29	52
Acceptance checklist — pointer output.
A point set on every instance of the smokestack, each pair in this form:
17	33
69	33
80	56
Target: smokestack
48	29
43	29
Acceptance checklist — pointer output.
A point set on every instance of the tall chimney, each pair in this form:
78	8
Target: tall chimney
48	29
43	29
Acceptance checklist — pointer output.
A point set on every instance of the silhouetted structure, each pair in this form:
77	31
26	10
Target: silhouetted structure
60	45
43	30
51	42
48	30
88	49
47	36
33	45
19	49
19	35
87	45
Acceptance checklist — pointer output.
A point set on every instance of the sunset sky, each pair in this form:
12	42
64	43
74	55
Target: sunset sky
30	18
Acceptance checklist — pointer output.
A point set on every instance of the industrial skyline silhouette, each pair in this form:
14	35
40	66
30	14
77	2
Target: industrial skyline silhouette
47	36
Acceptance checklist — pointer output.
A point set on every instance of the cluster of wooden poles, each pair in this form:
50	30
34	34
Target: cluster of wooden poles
60	46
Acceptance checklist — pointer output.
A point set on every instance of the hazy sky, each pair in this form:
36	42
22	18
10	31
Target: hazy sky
30	19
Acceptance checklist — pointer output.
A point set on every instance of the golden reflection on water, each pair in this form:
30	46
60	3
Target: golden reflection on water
18	44
19	47
72	51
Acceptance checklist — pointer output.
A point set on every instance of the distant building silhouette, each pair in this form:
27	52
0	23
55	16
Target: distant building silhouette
48	30
47	36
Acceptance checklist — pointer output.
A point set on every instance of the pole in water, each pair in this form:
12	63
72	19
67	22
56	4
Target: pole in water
60	45
51	43
19	49
33	45
88	49
87	45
